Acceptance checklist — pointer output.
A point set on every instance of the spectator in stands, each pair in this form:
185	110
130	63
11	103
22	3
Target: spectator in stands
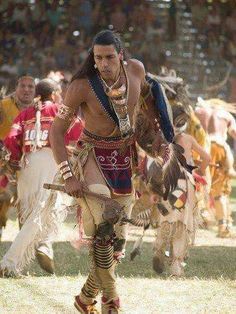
214	18
54	14
9	67
85	15
231	22
19	17
38	14
214	46
199	14
172	20
231	52
48	61
118	19
46	26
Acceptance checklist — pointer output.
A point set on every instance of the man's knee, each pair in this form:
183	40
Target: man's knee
104	233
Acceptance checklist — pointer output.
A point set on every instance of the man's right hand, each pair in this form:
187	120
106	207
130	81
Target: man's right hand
74	187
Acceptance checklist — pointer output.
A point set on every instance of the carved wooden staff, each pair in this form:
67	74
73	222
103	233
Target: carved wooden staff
61	188
113	211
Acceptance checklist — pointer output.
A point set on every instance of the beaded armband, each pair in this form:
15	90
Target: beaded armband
65	112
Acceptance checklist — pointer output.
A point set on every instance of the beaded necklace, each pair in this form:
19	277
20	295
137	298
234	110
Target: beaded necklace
118	99
108	88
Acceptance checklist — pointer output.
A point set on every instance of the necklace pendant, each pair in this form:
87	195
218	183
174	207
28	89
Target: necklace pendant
119	101
107	90
110	93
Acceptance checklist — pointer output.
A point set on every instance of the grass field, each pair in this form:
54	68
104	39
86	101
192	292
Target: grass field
209	285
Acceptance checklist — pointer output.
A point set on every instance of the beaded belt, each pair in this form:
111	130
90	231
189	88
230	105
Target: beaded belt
114	142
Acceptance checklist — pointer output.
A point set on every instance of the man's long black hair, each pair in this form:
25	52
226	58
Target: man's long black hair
104	38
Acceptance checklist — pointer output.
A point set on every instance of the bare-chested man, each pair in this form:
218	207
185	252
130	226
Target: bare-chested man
10	106
107	91
219	123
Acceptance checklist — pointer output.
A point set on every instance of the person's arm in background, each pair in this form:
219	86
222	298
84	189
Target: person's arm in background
14	141
232	126
205	157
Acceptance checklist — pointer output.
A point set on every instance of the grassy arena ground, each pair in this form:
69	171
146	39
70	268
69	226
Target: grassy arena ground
208	287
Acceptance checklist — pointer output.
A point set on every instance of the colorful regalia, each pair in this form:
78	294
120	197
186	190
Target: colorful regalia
28	143
8	111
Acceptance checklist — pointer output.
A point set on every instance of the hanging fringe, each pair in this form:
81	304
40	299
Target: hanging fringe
37	142
46	221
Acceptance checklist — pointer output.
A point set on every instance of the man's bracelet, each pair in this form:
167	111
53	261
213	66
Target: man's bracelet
67	175
64	170
63	164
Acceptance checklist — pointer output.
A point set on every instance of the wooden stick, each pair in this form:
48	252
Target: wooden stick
61	188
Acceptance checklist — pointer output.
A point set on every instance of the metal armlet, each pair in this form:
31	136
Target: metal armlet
65	170
65	113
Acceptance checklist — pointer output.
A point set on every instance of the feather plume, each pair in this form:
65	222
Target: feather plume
136	250
172	168
146	138
171	173
145	216
217	103
152	142
145	134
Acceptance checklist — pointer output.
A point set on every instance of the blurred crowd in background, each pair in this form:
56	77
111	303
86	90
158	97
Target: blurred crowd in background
38	36
217	26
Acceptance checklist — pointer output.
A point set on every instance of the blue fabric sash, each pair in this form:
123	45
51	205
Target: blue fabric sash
161	106
98	89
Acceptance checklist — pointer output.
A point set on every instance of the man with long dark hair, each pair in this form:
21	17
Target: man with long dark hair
107	90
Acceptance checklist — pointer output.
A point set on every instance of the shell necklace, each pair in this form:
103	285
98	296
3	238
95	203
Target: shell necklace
108	89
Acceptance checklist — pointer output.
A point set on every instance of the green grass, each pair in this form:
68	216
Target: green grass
209	285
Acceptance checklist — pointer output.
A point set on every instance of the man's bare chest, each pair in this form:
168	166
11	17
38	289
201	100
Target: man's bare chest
95	107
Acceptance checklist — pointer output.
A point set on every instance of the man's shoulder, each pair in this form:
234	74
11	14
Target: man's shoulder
136	65
186	137
80	83
77	92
